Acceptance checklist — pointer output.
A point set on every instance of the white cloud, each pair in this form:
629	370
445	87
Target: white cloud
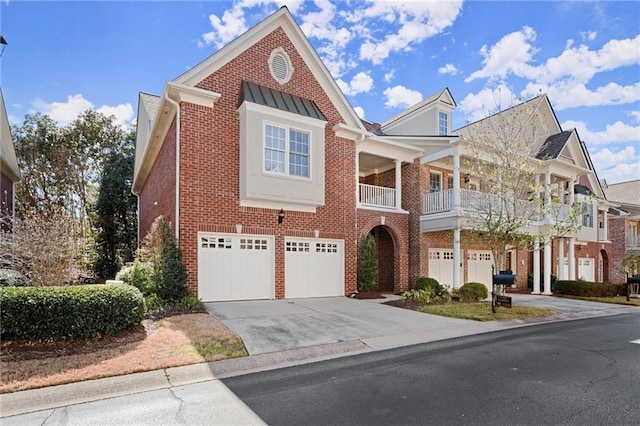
448	69
589	35
123	113
565	77
360	111
415	22
360	83
635	115
401	97
65	112
621	172
509	55
390	76
617	132
476	106
606	157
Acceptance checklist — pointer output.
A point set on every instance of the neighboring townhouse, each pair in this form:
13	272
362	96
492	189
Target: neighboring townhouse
9	171
624	223
450	194
255	156
270	180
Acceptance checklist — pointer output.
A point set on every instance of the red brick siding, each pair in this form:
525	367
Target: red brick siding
618	227
209	181
158	195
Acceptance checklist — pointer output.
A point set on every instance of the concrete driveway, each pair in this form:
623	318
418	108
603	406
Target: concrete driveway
276	325
268	326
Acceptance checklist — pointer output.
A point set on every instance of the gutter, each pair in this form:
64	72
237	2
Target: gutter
177	215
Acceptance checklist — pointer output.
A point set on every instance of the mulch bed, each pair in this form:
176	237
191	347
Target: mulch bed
368	295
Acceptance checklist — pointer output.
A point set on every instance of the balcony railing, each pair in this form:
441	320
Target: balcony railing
474	201
377	196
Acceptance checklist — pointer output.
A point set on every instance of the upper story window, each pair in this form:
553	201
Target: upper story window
435	182
587	215
286	151
443	123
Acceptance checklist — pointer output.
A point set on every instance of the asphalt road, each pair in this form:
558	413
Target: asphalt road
584	372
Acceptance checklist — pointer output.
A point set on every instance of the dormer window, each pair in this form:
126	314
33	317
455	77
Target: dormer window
443	123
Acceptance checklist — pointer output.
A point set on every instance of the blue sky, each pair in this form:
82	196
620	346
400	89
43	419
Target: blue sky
65	57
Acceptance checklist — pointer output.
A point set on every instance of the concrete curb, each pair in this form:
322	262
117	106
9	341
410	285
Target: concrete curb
92	390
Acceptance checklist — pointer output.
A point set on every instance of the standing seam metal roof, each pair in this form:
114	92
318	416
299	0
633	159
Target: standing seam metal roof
283	101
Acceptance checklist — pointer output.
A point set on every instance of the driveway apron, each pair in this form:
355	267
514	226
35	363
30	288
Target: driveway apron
276	325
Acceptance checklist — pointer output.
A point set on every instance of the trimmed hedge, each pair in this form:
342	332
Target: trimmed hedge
81	311
588	289
423	283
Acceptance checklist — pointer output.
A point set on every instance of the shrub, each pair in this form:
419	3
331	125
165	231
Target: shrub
589	289
169	273
81	311
367	264
436	288
138	275
421	297
473	292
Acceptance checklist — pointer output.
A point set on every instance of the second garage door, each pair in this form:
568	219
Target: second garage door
313	267
479	267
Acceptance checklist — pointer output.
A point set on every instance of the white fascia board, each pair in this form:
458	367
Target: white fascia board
387	149
438	155
193	95
347	132
166	112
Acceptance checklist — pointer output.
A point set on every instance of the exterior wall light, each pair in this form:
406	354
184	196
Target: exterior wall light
281	216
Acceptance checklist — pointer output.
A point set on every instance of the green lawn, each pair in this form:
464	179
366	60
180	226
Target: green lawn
482	311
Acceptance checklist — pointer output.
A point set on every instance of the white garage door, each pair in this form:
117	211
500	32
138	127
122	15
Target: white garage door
235	267
587	269
313	268
441	265
479	267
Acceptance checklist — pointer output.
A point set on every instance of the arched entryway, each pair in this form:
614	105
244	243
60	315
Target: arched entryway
604	266
386	258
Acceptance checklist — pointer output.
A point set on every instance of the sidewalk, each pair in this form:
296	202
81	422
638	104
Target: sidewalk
93	390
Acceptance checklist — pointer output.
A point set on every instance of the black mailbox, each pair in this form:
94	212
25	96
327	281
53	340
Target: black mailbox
504	278
633	279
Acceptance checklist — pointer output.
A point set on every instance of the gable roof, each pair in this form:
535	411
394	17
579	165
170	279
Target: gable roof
150	103
444	96
553	146
279	19
283	101
8	161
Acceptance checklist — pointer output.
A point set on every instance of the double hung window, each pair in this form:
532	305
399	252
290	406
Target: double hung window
286	151
443	123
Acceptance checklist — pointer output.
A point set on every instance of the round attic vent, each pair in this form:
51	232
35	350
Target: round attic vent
280	66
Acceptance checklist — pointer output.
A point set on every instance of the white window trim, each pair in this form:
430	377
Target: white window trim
446	114
287	151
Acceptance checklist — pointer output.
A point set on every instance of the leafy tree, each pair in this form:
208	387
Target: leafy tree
501	151
61	168
115	214
367	264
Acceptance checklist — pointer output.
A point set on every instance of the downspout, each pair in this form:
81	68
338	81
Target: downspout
177	219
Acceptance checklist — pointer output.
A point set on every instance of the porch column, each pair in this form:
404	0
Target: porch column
547	266
572	259
547	197
398	184
357	177
536	266
456	259
561	258
605	228
456	181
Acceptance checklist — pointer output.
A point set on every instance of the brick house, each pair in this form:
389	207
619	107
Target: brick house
9	171
624	223
270	180
252	154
